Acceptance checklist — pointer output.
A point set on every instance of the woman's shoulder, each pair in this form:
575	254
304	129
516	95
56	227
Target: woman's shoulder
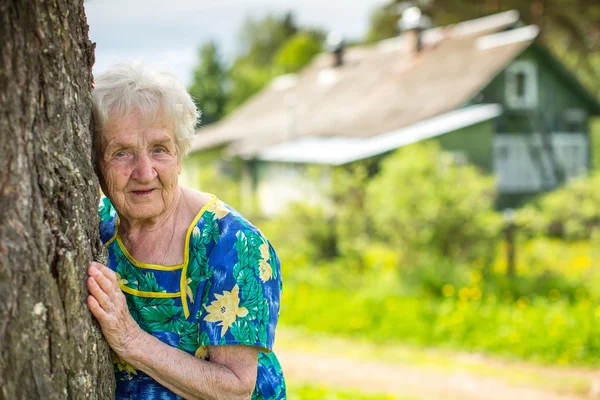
216	218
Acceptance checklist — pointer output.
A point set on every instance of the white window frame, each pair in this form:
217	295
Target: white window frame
529	99
517	172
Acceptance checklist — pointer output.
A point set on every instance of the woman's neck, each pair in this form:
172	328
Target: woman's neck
136	230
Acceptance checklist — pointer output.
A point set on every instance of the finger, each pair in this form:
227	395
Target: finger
96	309
99	295
109	287
110	274
96	265
94	268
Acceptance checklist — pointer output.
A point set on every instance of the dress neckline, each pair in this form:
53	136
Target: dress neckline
186	249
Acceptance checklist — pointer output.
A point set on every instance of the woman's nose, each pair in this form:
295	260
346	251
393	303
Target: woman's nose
144	169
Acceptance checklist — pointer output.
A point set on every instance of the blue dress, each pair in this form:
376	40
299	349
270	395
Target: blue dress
226	292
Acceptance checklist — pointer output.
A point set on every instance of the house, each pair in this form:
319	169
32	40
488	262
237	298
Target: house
485	89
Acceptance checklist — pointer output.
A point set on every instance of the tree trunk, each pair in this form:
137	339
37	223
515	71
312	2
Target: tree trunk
50	346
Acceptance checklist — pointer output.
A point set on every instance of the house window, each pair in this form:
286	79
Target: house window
523	164
521	85
573	120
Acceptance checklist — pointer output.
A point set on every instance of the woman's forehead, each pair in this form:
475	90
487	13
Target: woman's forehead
132	127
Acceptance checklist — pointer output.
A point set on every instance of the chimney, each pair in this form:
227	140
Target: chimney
335	45
412	24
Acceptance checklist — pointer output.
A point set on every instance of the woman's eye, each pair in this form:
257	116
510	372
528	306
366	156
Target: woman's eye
120	154
159	150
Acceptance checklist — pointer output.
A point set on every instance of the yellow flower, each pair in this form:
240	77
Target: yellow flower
225	309
265	270
219	209
448	290
201	353
264	251
196	232
123	366
188	289
121	281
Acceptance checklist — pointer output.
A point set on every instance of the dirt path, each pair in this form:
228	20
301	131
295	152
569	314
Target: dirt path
393	378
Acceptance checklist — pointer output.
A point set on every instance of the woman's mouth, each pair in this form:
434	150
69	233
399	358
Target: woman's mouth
142	192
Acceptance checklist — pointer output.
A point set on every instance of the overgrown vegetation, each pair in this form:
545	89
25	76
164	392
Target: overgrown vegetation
416	255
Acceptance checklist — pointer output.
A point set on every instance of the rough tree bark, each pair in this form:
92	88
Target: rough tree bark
50	346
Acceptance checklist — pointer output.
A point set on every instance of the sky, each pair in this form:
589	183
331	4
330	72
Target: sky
167	33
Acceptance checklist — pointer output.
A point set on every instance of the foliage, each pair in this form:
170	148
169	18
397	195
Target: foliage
297	52
245	79
253	68
570	212
223	185
383	23
208	87
270	46
301	234
351	223
595	142
310	392
463	319
421	200
262	39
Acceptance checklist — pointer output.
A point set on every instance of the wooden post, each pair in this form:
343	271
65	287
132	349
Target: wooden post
509	238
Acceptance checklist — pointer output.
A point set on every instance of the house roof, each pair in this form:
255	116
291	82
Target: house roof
380	88
342	150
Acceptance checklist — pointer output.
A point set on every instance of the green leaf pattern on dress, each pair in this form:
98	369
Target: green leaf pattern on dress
156	315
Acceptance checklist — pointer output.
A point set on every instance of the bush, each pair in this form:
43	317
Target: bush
301	235
421	203
351	219
570	213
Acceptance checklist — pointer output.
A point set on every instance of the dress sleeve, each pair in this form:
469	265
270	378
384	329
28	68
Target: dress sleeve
240	301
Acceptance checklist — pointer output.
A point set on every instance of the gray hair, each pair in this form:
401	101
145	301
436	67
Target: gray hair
155	95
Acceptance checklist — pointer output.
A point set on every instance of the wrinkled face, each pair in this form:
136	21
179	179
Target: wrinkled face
139	168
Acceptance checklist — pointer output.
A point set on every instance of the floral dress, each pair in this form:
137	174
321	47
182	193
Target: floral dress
226	292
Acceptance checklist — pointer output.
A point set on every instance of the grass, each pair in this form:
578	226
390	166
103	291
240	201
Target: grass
310	392
538	329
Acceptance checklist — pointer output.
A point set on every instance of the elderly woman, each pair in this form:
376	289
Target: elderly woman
189	300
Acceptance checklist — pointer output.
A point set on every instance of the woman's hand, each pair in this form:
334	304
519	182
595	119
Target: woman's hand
108	304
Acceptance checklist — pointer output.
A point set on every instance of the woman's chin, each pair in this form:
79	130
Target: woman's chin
141	213
143	205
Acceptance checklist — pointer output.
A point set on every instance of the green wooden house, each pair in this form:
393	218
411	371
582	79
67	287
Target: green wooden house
485	89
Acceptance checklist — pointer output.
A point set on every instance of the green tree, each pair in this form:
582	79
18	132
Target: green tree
253	69
297	52
262	39
383	23
245	79
208	87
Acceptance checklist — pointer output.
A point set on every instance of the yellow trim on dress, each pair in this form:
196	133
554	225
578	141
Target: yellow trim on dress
139	293
144	265
186	254
111	239
182	266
